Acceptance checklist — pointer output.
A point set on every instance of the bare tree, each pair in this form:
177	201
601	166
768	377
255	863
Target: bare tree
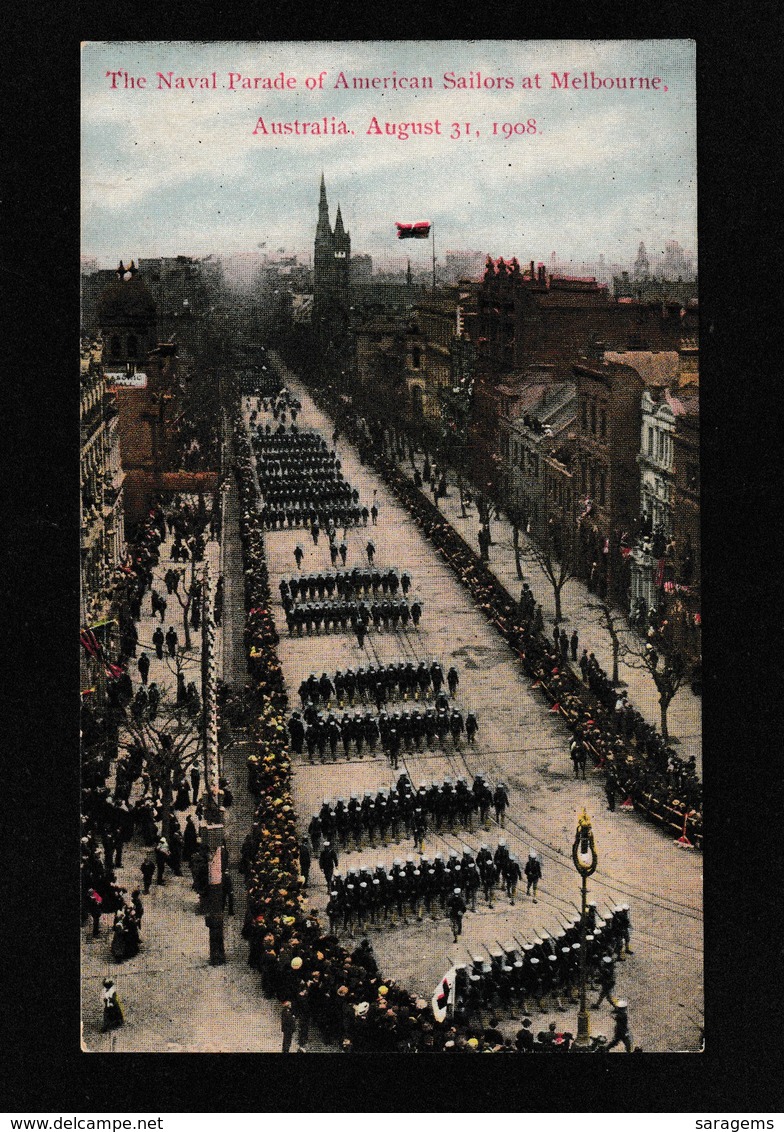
169	745
614	624
192	590
555	556
668	673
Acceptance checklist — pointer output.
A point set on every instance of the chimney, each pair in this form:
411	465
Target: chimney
541	276
533	273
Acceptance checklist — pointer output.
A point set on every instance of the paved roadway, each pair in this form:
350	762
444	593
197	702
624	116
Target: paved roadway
520	742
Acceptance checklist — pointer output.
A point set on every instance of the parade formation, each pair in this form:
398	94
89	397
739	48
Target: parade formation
393	795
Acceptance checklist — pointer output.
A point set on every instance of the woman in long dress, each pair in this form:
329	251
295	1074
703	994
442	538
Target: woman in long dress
183	796
119	945
112	1011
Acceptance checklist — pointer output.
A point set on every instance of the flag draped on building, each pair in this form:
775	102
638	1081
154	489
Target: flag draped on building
420	230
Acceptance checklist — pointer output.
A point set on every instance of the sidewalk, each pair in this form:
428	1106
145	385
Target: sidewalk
684	715
173	1000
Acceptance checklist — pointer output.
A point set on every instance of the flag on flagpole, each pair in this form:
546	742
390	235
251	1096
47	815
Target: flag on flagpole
420	230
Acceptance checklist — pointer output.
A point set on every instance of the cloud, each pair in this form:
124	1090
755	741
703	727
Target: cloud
183	169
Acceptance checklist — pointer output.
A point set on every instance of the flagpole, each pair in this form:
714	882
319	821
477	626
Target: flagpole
433	233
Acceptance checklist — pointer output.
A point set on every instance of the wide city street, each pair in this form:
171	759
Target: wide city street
519	742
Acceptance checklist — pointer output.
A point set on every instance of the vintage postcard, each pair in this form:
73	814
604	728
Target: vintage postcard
390	548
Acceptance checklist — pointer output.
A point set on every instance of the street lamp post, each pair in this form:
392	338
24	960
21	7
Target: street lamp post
585	861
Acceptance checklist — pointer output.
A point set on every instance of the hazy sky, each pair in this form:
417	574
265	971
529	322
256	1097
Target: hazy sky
169	172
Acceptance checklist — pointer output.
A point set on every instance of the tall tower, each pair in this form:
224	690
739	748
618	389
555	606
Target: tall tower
331	274
642	267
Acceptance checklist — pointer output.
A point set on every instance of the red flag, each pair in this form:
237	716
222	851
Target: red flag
659	574
555	707
417	231
114	671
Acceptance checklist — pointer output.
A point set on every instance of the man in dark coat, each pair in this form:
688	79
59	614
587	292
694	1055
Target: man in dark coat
288	1025
328	862
157	640
305	859
190	839
456	906
143	664
171	641
533	874
148	871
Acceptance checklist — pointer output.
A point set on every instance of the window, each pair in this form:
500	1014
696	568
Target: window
650	441
603	423
602	488
593	417
115	346
584	408
132	346
416	357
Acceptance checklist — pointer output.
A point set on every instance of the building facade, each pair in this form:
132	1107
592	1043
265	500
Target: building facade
536	442
656	503
101	482
608	424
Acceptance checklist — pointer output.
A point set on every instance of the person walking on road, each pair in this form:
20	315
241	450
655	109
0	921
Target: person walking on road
370	550
606	982
456	906
171	641
533	874
148	872
609	790
304	860
328	862
574	642
112	1011
143	664
452	679
299	554
158	640
622	1034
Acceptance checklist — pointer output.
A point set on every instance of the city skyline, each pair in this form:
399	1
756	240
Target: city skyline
169	172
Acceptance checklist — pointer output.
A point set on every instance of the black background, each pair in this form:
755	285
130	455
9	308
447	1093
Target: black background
739	121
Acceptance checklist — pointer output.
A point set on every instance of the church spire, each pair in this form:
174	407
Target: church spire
323	229
339	229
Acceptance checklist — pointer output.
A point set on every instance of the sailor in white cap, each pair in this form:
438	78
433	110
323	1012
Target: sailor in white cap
606	975
622	1032
533	873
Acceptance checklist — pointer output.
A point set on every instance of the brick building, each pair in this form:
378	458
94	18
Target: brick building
532	317
142	373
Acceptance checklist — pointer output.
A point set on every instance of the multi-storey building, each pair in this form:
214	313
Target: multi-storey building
656	501
530	317
101	480
608	480
535	451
